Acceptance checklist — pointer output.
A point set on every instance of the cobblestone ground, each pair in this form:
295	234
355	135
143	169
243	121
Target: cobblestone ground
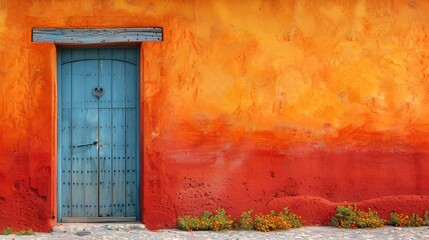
138	231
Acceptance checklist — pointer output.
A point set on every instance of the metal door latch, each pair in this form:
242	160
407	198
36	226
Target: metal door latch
87	144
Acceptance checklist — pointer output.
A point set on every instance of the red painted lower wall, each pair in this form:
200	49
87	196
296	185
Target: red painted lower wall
310	179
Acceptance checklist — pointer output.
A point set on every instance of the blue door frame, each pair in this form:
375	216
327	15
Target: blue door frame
98	134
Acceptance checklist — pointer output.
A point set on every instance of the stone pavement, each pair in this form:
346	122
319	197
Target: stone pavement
138	231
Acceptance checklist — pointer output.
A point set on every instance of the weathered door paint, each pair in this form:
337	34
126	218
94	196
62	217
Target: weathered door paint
98	133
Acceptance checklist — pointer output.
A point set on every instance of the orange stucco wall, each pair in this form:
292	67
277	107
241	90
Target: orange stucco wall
245	104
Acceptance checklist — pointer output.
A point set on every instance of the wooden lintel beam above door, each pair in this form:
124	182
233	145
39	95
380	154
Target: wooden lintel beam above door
96	35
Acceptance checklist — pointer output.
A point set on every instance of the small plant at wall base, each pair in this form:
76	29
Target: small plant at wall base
403	220
351	217
9	230
246	220
218	221
426	216
276	221
222	221
25	232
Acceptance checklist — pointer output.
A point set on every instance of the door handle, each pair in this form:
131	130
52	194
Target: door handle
87	144
98	91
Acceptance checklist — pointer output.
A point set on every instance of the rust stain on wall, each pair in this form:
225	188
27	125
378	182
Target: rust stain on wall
245	104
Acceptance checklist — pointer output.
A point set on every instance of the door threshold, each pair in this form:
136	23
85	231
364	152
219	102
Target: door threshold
97	219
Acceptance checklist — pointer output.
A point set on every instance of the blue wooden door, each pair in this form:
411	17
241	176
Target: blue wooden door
98	133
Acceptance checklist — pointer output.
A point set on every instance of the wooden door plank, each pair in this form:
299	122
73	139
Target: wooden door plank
66	56
105	102
66	80
105	78
90	128
91	78
66	163
78	138
131	162
90	163
131	78
78	103
118	80
78	79
131	132
105	159
65	135
118	166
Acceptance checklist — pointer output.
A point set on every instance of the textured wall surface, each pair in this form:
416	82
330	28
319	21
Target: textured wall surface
245	104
